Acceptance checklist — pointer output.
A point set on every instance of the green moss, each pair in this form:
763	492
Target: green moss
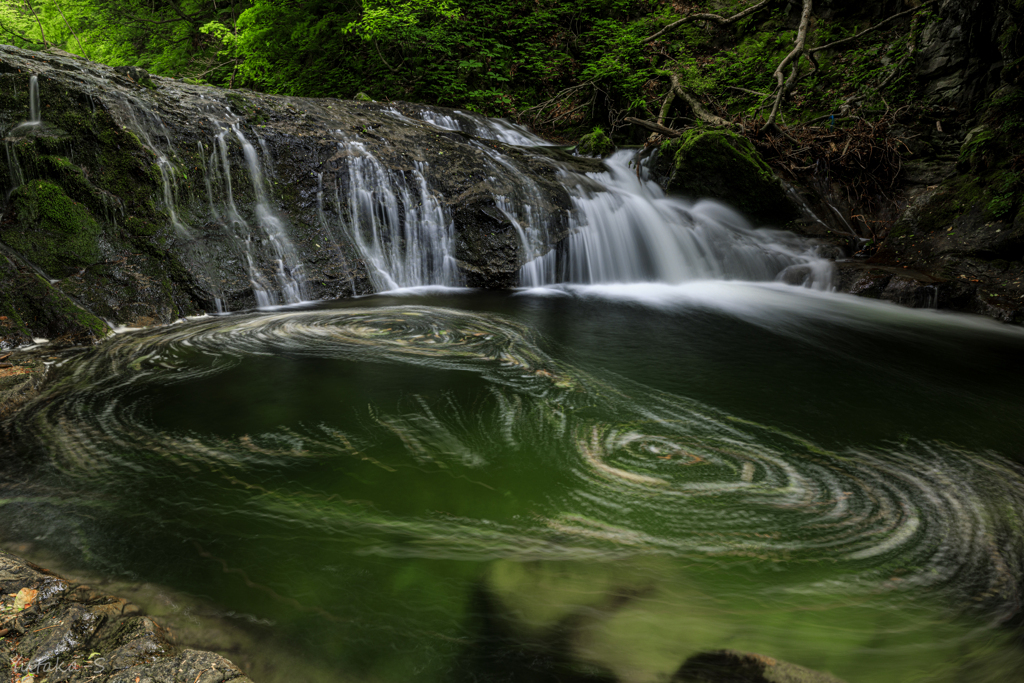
722	165
595	143
138	226
55	232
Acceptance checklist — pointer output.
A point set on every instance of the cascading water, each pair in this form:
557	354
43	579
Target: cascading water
152	133
400	227
287	282
486	128
625	229
34	114
289	276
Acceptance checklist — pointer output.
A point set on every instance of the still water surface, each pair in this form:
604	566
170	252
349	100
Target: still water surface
444	485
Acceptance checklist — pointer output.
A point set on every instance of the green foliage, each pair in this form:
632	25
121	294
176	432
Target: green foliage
587	61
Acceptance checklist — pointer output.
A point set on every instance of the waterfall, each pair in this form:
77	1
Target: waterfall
286	284
397	222
625	229
289	275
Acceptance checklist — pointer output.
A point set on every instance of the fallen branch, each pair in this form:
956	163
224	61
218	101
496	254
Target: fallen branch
749	92
721	21
655	127
698	109
552	101
666	106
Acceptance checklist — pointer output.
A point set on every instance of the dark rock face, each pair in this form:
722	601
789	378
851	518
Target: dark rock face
142	199
66	632
956	240
961	57
721	165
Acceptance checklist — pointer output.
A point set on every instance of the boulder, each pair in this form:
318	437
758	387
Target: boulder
719	164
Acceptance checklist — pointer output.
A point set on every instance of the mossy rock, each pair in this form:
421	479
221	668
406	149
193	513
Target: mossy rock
722	165
53	231
32	307
595	143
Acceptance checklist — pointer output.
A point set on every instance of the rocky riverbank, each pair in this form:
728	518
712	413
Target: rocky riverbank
56	630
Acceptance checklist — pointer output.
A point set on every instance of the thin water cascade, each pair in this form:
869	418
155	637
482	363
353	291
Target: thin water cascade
235	228
290	277
628	230
397	222
326	224
14	170
154	136
34	113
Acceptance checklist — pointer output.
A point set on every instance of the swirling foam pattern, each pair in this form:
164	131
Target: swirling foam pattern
643	472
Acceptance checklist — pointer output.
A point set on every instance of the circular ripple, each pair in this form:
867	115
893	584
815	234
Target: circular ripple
648	472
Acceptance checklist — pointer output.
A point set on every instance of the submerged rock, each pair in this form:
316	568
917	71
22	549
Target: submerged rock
730	666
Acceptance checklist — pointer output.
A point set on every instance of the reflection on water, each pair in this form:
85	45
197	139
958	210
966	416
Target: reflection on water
389	485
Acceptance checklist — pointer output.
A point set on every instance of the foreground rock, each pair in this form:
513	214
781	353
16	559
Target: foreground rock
56	630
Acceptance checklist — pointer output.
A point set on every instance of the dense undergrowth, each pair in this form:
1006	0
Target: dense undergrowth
562	66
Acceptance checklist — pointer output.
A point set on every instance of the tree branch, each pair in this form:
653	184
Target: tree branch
68	24
32	11
721	21
20	36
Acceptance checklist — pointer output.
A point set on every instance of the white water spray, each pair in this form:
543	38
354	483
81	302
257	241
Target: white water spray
625	229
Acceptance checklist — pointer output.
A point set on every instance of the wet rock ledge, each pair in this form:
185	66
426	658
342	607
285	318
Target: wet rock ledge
57	630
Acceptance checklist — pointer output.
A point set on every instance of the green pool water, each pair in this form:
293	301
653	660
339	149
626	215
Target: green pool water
578	484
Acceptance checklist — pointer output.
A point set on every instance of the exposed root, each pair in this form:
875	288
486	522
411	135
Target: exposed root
783	88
